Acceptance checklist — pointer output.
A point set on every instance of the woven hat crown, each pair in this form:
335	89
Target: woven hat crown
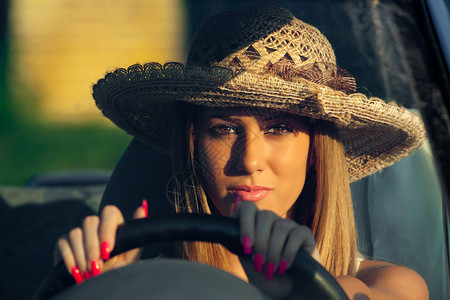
256	38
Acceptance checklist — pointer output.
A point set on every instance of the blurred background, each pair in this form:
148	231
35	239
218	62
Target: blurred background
52	52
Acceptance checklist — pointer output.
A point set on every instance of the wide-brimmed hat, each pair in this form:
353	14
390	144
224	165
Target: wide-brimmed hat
261	57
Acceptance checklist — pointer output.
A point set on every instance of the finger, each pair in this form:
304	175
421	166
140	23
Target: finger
280	231
141	212
66	253
235	206
263	229
299	237
67	256
246	212
111	218
77	245
92	244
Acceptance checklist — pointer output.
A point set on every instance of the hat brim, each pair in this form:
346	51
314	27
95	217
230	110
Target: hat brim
142	101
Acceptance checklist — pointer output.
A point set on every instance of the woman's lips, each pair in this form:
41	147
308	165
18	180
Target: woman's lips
249	193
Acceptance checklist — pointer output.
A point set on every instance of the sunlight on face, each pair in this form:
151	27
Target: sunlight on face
257	155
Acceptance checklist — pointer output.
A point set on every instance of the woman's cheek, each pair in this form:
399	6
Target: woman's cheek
212	172
289	166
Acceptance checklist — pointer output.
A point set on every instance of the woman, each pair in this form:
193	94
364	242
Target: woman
261	125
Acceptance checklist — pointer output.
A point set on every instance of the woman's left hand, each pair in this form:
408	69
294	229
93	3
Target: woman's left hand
272	240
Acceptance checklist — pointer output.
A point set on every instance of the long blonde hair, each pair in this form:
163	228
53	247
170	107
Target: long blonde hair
324	204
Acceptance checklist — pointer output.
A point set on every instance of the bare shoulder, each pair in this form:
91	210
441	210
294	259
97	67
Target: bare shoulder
401	282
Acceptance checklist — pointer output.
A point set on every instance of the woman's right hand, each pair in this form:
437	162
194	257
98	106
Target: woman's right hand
85	251
273	241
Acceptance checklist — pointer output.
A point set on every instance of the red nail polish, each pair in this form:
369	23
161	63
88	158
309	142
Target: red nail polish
145	207
87	275
76	274
259	260
104	250
270	269
282	267
247	245
95	268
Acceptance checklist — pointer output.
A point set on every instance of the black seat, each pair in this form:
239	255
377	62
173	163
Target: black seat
141	173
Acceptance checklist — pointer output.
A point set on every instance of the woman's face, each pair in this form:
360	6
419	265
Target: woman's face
257	155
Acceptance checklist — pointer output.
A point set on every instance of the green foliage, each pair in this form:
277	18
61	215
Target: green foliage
30	144
33	147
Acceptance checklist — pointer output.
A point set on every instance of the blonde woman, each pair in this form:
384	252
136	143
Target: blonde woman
263	126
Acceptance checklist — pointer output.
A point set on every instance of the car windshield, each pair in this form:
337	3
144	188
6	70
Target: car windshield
51	133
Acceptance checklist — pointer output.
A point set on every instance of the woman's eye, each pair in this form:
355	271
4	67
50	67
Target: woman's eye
279	129
224	129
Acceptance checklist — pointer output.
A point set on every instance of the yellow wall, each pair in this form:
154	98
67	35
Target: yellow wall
61	47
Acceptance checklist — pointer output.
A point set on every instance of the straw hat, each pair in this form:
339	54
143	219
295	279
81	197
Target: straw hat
261	56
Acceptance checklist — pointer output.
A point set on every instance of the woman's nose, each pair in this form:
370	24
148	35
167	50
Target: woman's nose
251	157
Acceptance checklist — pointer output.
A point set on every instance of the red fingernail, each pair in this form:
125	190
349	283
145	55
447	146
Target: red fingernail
87	275
259	259
95	268
270	269
76	274
145	207
105	250
247	245
282	267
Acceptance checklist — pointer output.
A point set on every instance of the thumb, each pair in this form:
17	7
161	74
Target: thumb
141	211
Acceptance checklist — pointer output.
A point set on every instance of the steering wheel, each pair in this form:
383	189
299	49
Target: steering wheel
309	280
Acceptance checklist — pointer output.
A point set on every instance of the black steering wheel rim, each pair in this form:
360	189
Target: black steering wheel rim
310	277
